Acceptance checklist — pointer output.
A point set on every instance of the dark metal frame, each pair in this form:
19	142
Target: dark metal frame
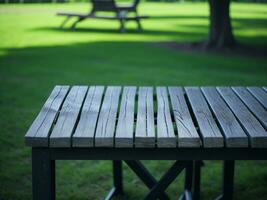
196	179
139	169
227	184
43	167
228	180
157	153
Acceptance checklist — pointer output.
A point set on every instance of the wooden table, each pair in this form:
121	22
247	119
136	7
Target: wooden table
130	123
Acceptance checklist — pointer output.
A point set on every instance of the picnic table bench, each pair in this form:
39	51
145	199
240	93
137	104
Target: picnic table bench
185	124
108	6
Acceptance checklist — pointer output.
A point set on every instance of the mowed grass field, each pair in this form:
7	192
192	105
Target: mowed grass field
35	55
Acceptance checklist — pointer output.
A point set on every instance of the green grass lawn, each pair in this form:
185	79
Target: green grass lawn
35	55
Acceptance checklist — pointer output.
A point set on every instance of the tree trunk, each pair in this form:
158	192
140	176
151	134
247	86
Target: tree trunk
220	33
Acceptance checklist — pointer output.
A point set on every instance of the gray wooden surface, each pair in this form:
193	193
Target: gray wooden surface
165	130
147	117
38	133
255	107
186	131
64	127
257	134
145	128
260	94
124	132
211	135
84	134
105	131
233	132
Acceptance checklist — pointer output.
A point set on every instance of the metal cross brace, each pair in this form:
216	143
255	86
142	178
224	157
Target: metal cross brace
157	188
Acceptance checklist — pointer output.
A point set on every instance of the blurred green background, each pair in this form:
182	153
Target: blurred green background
35	55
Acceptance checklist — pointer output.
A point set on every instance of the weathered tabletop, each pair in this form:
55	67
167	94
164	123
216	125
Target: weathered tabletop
147	117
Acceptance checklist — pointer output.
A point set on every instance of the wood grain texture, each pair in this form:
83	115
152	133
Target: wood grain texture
84	133
165	131
257	134
38	133
209	130
107	118
254	106
187	134
190	117
145	128
64	127
260	94
124	132
233	132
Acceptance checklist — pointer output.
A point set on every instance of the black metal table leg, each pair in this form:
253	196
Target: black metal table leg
139	26
117	180
117	176
188	182
122	25
166	180
228	179
196	179
77	21
43	175
65	21
188	176
139	169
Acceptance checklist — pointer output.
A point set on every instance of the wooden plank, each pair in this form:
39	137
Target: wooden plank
255	107
187	134
145	129
38	133
64	127
165	131
210	132
124	132
84	134
259	94
106	123
258	136
233	132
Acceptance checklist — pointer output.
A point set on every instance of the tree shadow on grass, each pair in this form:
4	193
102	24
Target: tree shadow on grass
184	30
112	31
121	62
182	33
